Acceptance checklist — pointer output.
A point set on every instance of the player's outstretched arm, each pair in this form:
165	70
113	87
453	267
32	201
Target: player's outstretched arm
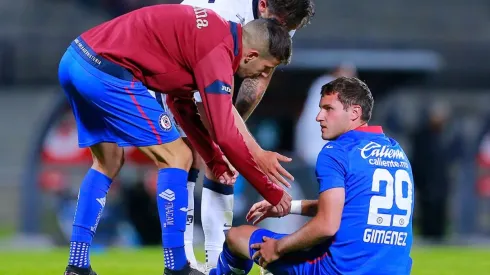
268	161
214	78
263	210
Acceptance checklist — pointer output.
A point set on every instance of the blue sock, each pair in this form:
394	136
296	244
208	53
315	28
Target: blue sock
172	204
91	202
230	264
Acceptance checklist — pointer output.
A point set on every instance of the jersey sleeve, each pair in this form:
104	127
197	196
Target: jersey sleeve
214	78
331	167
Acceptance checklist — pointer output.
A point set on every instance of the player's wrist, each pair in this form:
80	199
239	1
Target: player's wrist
280	247
296	207
272	194
254	149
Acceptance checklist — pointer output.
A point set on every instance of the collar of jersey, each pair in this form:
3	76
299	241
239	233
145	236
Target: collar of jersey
236	33
361	132
370	129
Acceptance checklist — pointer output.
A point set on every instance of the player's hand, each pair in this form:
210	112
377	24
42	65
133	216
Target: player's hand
262	210
267	251
232	169
268	162
229	177
284	205
222	171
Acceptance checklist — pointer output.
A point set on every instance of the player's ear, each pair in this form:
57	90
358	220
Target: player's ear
262	6
356	112
251	55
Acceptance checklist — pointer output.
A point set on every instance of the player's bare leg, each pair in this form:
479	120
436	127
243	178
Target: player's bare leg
108	159
173	161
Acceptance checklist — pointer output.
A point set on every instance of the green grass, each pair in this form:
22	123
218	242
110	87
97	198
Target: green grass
437	261
6	231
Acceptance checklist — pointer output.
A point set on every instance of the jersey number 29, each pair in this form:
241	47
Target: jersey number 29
394	192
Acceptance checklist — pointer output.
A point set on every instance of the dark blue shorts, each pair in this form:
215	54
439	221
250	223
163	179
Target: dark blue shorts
303	262
109	105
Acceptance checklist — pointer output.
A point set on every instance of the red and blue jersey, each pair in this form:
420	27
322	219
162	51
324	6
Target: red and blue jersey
176	50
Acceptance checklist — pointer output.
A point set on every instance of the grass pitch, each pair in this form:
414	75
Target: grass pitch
436	261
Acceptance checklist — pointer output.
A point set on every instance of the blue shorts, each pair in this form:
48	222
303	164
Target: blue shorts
304	262
109	105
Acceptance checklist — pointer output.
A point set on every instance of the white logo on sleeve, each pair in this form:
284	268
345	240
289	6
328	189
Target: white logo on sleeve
226	88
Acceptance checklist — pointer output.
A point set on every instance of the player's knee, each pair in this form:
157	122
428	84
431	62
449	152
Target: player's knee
109	162
171	155
230	238
238	239
183	157
231	234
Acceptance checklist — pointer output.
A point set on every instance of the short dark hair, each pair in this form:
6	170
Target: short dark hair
351	91
280	42
295	13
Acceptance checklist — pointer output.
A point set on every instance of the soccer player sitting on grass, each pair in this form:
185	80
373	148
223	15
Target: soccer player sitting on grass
362	220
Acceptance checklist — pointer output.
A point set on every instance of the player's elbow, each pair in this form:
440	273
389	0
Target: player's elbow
329	231
329	227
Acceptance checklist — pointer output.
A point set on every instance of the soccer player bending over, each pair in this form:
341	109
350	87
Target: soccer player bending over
362	220
177	49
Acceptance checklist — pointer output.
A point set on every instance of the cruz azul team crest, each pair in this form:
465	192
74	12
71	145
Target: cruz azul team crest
164	122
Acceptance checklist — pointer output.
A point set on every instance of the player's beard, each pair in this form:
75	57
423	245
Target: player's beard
243	72
240	72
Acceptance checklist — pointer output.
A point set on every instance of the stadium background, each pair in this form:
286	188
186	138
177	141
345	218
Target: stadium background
423	59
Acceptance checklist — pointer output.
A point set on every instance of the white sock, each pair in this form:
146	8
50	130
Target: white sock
189	226
216	212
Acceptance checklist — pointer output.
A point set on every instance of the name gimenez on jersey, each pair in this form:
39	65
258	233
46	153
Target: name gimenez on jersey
388	237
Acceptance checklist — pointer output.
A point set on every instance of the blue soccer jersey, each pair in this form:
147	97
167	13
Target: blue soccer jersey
375	234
